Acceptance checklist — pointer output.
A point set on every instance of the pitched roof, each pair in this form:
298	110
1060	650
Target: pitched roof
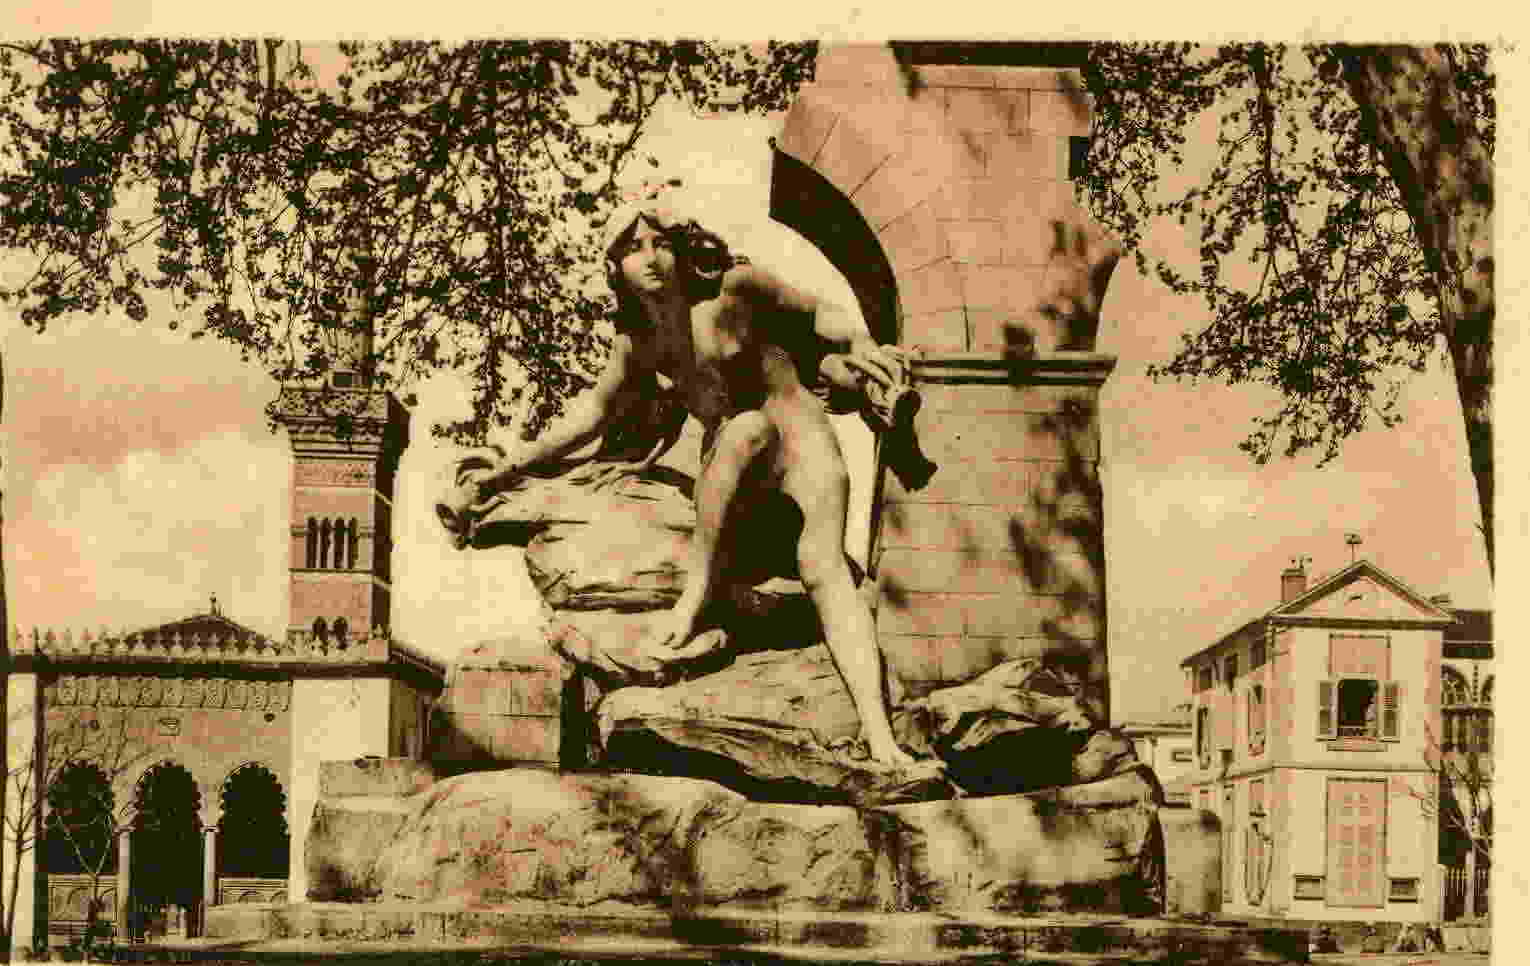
1471	626
212	625
1291	610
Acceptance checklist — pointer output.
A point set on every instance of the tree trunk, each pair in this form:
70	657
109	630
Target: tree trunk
5	706
1430	144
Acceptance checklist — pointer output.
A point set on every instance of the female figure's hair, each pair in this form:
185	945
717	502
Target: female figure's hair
701	258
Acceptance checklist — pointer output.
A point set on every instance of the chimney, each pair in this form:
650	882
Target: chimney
350	341
1293	582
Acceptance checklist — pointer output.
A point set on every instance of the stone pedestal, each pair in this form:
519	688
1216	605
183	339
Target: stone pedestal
944	194
1000	555
504	704
528	835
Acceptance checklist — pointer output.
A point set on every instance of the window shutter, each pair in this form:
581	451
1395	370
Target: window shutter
1390	693
1326	716
1248	865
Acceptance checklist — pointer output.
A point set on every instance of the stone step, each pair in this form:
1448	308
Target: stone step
616	931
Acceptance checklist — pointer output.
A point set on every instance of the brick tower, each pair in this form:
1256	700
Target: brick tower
346	441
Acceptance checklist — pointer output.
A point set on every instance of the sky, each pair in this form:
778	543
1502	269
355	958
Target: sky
141	476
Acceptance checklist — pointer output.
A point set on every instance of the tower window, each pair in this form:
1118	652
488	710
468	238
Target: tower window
311	559
341	630
341	544
320	630
355	536
324	535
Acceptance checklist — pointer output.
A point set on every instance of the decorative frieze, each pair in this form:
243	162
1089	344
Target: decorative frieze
333	473
142	691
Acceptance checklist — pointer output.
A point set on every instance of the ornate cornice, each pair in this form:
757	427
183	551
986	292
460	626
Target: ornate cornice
300	654
1052	368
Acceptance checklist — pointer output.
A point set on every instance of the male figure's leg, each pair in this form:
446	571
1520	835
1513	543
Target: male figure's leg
739	442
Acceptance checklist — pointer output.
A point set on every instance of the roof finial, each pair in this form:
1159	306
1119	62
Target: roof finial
215	605
1354	541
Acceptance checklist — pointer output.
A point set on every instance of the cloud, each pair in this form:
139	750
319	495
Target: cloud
151	537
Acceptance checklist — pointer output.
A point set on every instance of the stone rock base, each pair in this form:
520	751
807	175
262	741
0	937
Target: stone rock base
491	838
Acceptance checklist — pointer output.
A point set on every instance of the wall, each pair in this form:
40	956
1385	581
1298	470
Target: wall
1410	846
1414	665
1297	764
961	175
210	743
334	719
409	711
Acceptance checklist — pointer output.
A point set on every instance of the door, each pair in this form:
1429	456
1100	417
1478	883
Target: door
1357	823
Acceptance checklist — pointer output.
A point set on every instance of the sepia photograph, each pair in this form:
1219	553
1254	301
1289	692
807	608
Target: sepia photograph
570	496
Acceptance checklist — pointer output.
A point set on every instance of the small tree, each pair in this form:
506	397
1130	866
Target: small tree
45	793
1460	796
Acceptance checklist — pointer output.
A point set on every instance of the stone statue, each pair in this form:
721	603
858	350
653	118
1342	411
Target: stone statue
707	649
737	348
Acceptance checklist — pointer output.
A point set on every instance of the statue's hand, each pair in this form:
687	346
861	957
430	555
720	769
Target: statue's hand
480	473
866	362
599	476
880	375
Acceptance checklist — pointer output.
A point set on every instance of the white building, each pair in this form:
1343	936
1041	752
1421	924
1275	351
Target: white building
1314	725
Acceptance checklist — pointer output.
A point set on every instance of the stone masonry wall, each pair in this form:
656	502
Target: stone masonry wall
962	174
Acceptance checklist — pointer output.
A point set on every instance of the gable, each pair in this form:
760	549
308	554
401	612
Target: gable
205	626
1362	598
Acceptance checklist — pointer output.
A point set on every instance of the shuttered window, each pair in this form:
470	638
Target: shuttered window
1326	727
1359	707
1390	694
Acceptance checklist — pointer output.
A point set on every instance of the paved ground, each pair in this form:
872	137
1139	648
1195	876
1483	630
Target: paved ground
1403	959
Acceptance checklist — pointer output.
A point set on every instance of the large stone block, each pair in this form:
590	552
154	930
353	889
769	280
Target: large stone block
1192	840
1094	847
499	836
493	838
978	108
945	330
346	837
893	189
504	703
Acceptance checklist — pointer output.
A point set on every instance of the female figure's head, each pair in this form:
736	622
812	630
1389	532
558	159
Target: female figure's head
650	251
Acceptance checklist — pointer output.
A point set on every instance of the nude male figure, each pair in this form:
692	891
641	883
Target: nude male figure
736	343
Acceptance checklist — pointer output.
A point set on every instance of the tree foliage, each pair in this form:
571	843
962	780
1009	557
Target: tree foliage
448	188
1338	224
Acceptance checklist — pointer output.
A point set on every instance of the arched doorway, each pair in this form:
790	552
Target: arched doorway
252	836
79	854
166	849
77	839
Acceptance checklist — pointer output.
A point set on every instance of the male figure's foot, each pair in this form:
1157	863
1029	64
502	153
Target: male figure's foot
888	754
672	632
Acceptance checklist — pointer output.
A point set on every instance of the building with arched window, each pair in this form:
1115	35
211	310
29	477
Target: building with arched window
1338	737
1466	764
180	764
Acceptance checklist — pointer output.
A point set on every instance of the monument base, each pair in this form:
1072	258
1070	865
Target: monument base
489	839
